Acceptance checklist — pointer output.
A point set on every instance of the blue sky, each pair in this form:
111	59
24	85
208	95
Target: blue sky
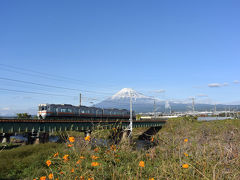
182	47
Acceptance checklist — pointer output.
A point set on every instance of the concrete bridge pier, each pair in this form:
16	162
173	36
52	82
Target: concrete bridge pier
120	135
149	133
36	138
43	137
5	138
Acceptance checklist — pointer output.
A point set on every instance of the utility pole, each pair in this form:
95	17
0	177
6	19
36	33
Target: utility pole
80	99
130	120
193	106
215	109
155	116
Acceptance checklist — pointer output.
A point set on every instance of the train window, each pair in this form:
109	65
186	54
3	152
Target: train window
70	110
63	110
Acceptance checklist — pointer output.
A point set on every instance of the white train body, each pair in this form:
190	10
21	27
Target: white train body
68	110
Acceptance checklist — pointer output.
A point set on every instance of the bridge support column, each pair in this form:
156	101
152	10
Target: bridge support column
43	137
120	135
150	132
30	138
5	138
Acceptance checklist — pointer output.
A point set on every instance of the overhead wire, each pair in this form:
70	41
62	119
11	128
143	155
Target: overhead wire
51	86
40	74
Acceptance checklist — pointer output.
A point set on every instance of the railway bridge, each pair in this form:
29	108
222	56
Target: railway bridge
40	128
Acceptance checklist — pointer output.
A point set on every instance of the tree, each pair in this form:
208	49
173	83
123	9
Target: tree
23	116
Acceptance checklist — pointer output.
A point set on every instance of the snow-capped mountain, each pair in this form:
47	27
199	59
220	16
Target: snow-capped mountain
143	103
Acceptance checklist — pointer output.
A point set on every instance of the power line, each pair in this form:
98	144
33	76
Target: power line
39	74
40	93
51	86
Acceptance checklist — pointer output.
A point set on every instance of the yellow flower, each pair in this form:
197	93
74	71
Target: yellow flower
151	178
82	157
70	145
185	166
72	170
185	154
141	164
50	176
48	162
113	147
71	139
55	155
186	140
94	157
43	178
94	164
87	138
96	149
65	157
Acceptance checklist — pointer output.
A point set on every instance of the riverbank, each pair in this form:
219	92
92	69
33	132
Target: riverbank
186	149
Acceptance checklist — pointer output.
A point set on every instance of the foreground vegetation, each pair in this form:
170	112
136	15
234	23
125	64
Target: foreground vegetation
186	149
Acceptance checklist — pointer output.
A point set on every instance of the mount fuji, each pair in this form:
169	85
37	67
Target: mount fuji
142	103
121	99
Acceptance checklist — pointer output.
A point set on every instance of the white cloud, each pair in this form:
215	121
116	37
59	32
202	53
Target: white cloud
214	85
160	91
6	109
202	95
236	81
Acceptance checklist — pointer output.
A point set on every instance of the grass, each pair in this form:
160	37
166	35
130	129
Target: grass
211	152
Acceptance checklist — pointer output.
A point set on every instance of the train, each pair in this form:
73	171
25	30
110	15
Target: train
68	111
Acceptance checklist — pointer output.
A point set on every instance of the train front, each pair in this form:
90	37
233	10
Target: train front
42	111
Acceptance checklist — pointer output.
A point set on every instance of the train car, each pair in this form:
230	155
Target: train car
65	111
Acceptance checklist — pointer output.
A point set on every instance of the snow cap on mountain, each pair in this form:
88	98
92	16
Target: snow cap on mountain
126	93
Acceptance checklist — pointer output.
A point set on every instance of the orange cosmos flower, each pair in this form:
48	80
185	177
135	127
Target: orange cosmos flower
90	179
185	140
56	179
81	178
82	157
65	157
94	157
185	154
48	162
34	179
70	145
72	170
61	172
50	176
185	166
71	139
152	139
96	149
78	161
94	164
151	178
55	155
87	138
43	178
141	164
113	147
